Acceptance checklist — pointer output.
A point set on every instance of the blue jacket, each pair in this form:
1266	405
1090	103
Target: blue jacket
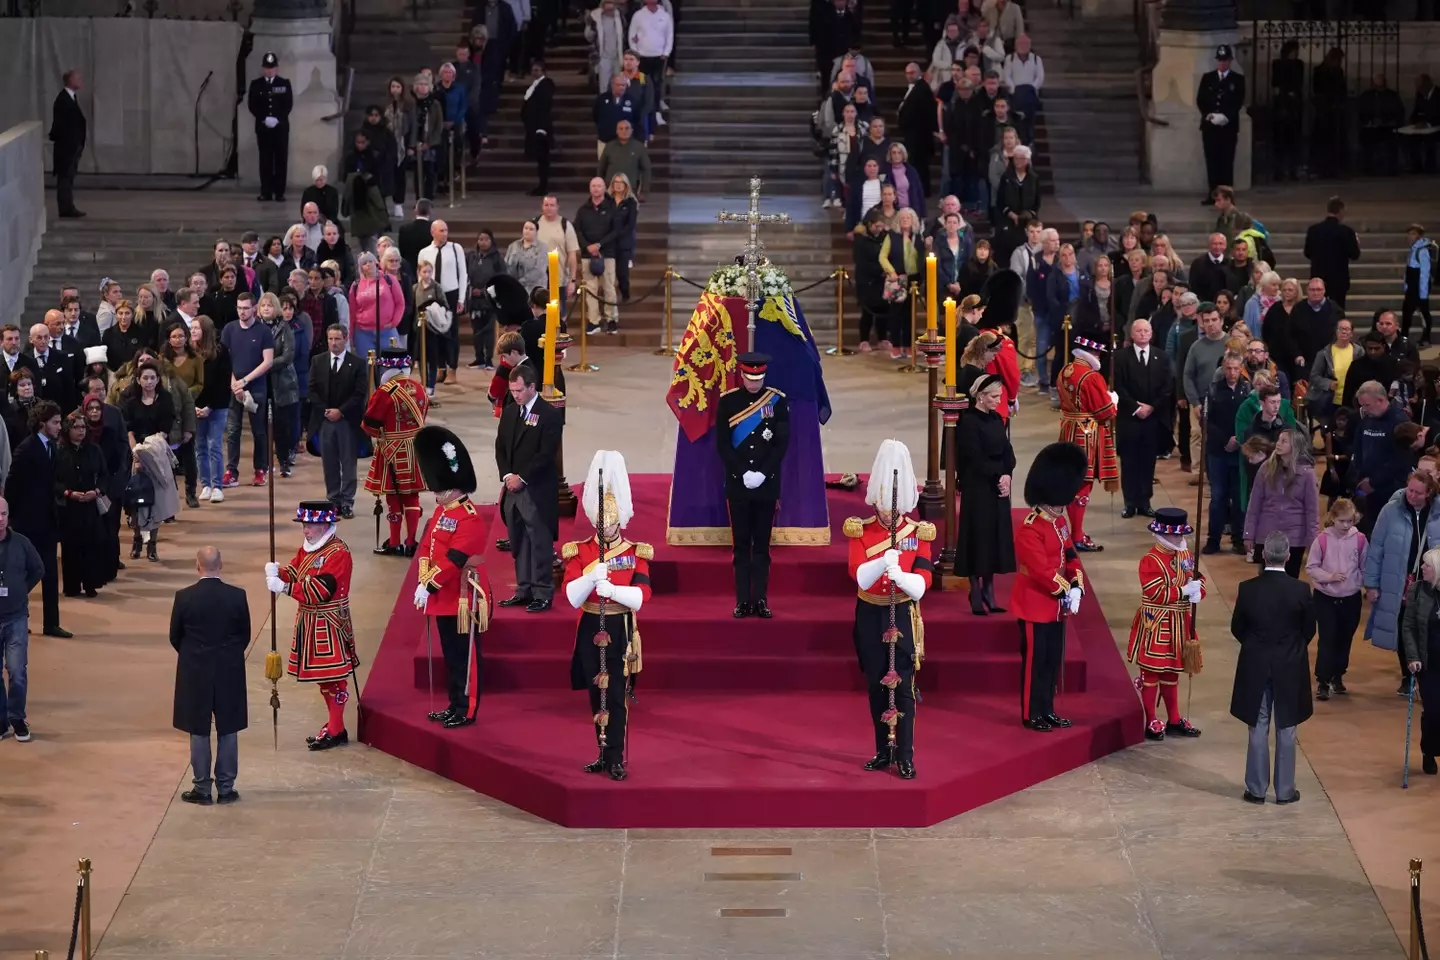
1037	288
1419	258
1377	456
1385	568
609	111
453	102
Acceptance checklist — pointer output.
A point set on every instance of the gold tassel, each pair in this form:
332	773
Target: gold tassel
917	630
1191	657
274	669
633	662
462	614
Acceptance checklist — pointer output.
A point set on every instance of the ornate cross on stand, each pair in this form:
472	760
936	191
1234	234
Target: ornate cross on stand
753	218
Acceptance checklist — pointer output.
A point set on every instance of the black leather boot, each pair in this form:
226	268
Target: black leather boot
135	547
977	603
987	593
150	547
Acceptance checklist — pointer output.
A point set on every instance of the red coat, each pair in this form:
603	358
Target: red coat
869	538
323	648
1087	419
395	413
1049	567
1163	623
456	535
629	567
1006	366
499	387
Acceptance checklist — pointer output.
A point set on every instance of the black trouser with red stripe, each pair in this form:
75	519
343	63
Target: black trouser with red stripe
462	667
1041	651
871	622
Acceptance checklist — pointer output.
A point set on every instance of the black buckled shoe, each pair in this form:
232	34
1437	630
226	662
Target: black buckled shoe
1182	729
410	548
440	716
617	772
762	610
1155	731
456	720
1127	513
515	601
538	606
1055	721
906	769
328	740
881	761
742	610
598	765
387	550
1039	726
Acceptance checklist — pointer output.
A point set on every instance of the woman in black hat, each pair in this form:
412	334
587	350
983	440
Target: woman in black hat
986	544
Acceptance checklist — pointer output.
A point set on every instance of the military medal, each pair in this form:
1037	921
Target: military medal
766	434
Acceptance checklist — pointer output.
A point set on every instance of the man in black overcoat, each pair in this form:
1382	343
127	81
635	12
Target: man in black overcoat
34	511
526	445
1330	245
537	115
917	120
209	629
67	133
1274	620
1146	387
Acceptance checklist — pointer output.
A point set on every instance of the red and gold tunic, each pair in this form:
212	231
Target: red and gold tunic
1049	567
456	535
869	538
629	566
323	648
1087	419
1162	624
396	412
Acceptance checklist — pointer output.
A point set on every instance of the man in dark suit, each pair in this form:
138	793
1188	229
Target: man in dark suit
1330	245
209	628
56	379
917	119
1274	619
537	114
12	353
30	491
1146	388
1219	99
337	401
1209	272
415	235
752	433
525	448
67	133
67	345
78	323
270	99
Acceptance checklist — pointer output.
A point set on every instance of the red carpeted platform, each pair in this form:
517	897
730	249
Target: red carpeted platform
746	723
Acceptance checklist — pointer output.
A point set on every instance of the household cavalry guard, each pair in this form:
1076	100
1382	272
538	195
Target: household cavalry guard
607	578
1163	642
1087	419
453	588
1049	582
323	647
396	412
890	561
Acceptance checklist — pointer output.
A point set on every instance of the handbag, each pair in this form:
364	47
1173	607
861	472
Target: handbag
895	291
439	318
102	504
597	266
139	492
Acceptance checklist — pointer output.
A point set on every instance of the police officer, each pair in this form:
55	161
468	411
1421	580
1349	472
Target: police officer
1221	95
752	434
270	98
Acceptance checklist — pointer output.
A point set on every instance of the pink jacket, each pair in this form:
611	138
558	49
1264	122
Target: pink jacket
364	312
1332	553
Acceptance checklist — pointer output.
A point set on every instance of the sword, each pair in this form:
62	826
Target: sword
429	665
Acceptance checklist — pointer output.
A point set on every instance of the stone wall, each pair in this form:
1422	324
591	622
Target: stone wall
22	212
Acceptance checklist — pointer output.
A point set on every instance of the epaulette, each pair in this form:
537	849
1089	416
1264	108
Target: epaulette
778	392
854	527
1030	517
570	550
925	530
644	551
727	393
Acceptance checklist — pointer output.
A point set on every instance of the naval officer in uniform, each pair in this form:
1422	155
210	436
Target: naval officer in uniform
270	99
752	433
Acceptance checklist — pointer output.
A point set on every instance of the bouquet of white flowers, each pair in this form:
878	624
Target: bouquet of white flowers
734	281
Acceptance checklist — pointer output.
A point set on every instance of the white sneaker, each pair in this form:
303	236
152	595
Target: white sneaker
664	105
217	495
398	211
660	120
204	493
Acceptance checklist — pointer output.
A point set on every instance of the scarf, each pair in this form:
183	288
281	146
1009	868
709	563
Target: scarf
94	428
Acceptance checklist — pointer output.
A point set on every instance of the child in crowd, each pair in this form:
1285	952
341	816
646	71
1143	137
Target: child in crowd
1336	559
1338	438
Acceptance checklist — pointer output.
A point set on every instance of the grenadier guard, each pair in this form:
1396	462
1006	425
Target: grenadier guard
323	648
1162	635
890	561
1049	583
1087	419
752	433
453	588
396	412
607	578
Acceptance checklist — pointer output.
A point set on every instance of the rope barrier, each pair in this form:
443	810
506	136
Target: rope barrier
75	921
1419	950
659	284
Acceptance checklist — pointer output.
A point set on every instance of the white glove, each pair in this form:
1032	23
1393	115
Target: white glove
272	570
422	596
1072	600
871	570
275	584
600	573
1191	591
911	584
892	557
605	590
753	479
271	122
1115	398
894	572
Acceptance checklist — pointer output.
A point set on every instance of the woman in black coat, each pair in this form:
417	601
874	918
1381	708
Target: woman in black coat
986	543
870	278
80	483
110	438
19	401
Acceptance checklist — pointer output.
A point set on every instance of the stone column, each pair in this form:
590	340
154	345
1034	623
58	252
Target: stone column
298	32
1190	30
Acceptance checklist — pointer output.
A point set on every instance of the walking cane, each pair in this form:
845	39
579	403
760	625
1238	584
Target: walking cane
1409	716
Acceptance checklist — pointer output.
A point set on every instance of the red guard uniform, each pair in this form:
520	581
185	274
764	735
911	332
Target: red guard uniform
461	609
1159	631
629	566
1048	569
1087	419
869	538
323	648
395	413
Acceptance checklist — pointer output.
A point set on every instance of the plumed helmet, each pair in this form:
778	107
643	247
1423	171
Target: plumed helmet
512	299
892	456
443	460
1056	475
1002	300
608	466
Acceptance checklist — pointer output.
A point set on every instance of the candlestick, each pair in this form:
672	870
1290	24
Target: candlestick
951	360
932	300
552	333
554	259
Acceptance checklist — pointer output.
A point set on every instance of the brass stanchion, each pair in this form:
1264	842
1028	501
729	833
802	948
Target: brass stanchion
464	166
1415	866
1065	341
667	345
839	350
911	366
931	347
450	149
949	406
84	869
42	955
584	365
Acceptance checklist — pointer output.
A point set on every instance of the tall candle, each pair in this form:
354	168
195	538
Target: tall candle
932	294
552	333
554	275
951	358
